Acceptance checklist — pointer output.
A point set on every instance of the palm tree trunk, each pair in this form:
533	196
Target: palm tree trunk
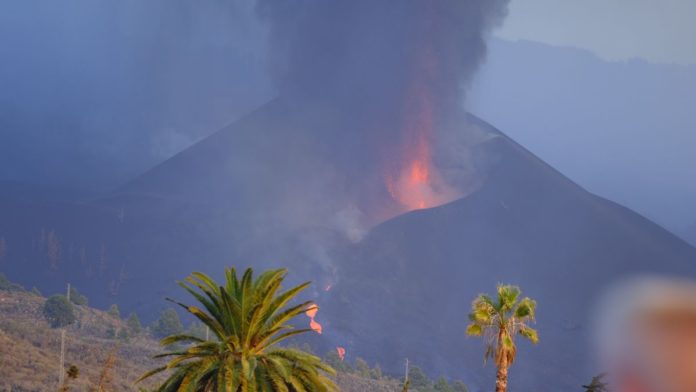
501	378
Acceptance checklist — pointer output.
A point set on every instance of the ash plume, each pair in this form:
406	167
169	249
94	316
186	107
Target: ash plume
359	48
394	74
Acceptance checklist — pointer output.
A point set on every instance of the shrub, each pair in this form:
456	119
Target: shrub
58	311
376	372
110	332
196	329
459	386
167	324
419	380
6	285
333	360
77	298
123	335
441	385
362	369
134	325
114	312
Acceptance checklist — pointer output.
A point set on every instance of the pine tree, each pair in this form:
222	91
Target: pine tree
113	311
362	369
167	324
134	325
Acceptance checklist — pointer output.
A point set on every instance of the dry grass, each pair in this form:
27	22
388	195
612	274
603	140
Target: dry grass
30	349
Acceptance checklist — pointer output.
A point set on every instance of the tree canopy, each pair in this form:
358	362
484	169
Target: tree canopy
58	311
247	319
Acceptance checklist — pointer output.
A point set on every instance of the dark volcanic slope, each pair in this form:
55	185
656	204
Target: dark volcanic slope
408	286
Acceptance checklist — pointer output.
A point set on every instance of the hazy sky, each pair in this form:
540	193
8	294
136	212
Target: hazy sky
657	30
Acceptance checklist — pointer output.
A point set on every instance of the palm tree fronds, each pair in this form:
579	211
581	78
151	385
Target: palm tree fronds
249	317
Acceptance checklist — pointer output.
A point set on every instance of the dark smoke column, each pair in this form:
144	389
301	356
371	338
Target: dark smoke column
395	70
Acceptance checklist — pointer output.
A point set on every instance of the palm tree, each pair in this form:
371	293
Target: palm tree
247	319
499	322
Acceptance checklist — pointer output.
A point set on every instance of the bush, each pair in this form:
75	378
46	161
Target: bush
419	380
114	312
134	325
123	335
459	386
333	360
110	332
441	385
77	298
58	311
376	372
36	291
167	324
362	369
197	329
6	285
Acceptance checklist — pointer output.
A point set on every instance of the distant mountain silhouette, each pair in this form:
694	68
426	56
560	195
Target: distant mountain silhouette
622	129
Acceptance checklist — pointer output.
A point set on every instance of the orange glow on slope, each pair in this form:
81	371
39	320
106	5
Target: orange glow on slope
315	326
341	352
311	312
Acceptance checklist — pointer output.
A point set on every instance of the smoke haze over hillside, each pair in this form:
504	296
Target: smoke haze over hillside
94	92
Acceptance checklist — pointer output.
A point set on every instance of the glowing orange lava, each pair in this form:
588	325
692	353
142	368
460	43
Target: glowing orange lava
311	312
412	178
415	183
315	326
341	352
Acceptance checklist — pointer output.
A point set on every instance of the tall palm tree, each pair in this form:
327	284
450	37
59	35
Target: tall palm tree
499	322
247	319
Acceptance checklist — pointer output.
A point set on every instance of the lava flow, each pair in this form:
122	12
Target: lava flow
311	312
341	352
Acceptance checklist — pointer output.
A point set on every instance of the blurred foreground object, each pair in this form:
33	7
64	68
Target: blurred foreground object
647	335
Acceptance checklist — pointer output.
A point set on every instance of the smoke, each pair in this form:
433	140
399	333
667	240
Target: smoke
375	89
374	49
397	72
95	92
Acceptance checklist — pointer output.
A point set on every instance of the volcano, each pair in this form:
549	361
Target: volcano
404	289
291	185
527	225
